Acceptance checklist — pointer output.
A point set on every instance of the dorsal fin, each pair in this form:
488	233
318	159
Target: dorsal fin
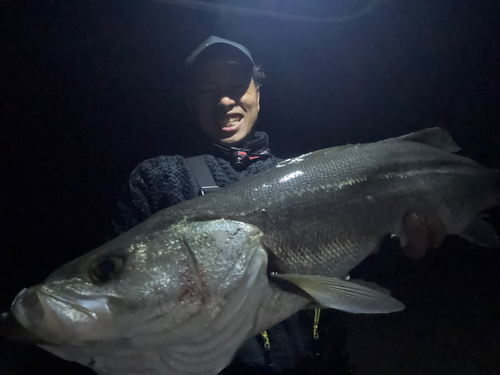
436	137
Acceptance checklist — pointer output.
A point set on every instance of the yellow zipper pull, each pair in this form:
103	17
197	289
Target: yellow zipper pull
316	324
267	344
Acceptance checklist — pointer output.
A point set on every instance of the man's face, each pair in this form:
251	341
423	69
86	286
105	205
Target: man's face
225	101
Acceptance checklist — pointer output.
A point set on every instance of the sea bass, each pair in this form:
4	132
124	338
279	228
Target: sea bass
181	292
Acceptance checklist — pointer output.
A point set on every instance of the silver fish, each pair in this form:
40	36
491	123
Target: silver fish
180	293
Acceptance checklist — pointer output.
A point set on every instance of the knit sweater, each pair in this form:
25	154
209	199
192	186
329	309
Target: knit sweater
165	181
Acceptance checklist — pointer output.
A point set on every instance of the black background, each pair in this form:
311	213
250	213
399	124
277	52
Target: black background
91	88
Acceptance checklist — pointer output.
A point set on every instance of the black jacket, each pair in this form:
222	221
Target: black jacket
164	181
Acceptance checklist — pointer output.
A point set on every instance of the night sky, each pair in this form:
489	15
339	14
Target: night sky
92	88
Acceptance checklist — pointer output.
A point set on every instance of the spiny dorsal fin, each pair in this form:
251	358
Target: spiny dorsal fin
436	137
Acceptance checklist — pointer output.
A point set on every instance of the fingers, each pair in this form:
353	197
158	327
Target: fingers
437	231
417	234
422	234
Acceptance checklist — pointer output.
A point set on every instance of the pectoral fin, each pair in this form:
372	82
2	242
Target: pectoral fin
344	295
371	285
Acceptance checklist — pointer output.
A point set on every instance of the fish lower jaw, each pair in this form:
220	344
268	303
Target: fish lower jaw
60	321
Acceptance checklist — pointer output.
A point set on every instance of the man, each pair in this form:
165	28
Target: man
224	97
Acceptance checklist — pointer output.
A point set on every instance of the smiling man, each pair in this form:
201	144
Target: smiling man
223	95
224	98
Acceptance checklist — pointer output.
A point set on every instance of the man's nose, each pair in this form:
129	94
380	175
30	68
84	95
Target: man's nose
227	102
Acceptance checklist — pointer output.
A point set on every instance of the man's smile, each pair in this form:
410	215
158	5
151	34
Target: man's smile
230	122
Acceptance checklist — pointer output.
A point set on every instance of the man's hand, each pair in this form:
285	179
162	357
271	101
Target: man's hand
423	234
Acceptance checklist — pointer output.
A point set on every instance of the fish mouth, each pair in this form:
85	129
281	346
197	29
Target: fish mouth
33	304
11	329
56	318
71	302
30	310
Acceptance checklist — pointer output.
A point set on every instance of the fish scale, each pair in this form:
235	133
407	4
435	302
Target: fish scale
359	194
189	285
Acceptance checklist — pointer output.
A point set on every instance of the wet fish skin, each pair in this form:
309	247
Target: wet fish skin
319	214
184	303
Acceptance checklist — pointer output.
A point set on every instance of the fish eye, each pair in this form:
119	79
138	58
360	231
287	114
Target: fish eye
106	268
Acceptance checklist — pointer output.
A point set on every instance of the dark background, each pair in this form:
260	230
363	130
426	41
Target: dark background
91	88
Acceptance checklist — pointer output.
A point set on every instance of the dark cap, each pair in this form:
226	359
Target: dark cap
214	47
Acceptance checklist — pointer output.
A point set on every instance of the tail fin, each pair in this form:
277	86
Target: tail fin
481	233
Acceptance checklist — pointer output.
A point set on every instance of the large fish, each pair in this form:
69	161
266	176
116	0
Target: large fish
179	293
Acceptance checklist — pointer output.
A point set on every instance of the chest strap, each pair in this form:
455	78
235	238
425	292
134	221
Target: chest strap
202	174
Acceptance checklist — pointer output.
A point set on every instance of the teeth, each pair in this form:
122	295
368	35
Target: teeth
232	120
